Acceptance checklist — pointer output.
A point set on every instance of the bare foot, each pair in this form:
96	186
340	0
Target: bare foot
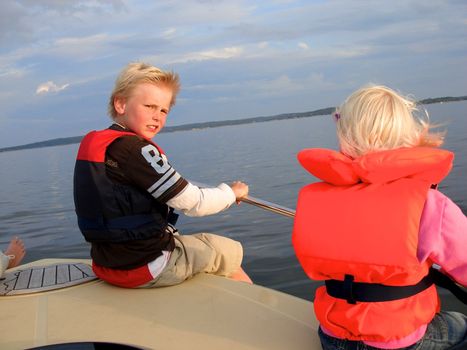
16	252
241	275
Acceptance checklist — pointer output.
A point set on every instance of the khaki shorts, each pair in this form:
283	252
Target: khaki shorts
201	252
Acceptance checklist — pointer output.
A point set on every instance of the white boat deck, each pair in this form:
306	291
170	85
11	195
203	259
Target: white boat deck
207	312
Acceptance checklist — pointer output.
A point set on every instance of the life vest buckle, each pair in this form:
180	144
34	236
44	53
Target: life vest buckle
348	289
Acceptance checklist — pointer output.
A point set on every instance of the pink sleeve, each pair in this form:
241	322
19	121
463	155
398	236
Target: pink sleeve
443	236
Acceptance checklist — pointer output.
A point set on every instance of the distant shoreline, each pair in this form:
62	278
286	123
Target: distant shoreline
216	124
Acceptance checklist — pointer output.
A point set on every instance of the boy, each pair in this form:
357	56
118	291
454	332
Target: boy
125	189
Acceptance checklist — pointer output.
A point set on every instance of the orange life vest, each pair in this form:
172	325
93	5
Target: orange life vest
363	220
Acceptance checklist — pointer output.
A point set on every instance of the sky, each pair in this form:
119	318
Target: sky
236	59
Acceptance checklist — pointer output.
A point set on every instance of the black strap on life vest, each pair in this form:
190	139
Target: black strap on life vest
441	280
172	218
121	229
374	292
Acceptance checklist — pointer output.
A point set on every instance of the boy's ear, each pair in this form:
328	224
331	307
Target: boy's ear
120	104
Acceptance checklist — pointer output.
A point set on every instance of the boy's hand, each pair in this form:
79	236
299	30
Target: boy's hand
240	189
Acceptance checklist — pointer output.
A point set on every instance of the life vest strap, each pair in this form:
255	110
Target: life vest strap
172	218
121	223
122	228
442	280
373	292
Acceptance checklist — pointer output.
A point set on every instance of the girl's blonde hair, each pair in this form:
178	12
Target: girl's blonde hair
376	118
138	73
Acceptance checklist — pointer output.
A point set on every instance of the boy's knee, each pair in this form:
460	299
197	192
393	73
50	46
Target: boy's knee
219	255
220	244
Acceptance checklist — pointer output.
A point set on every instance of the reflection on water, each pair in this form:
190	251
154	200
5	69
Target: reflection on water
36	199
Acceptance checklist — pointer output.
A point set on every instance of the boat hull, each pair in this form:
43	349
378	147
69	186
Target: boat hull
206	311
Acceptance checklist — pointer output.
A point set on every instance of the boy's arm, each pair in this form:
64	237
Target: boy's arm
141	164
443	236
195	201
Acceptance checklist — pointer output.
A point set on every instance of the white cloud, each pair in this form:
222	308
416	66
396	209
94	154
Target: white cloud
206	55
228	50
49	87
276	86
201	12
283	85
169	33
86	47
12	72
303	46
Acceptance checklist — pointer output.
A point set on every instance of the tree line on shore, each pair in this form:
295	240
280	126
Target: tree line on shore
215	124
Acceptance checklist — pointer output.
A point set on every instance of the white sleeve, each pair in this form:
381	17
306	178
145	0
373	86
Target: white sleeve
195	201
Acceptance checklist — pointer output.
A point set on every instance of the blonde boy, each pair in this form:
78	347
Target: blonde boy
125	191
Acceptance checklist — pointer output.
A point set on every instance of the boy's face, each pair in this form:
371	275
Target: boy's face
145	110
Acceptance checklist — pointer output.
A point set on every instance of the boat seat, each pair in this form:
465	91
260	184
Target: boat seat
37	279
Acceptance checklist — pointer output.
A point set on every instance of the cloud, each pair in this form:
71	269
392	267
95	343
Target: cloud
87	47
169	33
303	46
227	52
13	72
202	12
291	54
197	56
50	87
27	22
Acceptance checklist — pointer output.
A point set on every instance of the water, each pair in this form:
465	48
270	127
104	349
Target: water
36	201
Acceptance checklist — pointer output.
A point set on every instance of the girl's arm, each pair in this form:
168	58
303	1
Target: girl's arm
443	236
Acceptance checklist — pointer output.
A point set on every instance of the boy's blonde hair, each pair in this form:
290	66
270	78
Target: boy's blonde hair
376	118
138	73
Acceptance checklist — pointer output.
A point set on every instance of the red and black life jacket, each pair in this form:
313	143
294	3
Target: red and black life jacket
109	211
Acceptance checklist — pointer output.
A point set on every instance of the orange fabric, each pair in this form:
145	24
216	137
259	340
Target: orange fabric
363	220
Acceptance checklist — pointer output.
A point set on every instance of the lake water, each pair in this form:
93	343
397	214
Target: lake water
36	201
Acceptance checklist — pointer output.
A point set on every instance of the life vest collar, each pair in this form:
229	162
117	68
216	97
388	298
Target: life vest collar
423	163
